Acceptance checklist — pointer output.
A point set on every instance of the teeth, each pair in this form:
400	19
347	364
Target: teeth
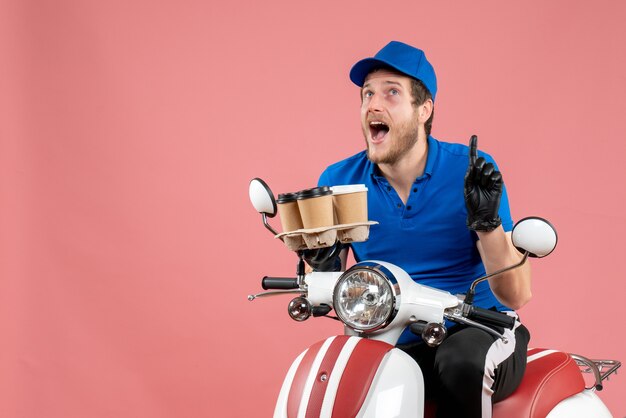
377	123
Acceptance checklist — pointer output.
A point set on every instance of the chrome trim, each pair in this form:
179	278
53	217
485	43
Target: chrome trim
495	273
274	293
268	226
595	367
307	308
386	274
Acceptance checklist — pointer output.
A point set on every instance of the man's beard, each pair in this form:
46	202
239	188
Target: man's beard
405	138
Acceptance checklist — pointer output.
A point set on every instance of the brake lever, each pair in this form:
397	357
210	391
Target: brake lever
458	317
274	293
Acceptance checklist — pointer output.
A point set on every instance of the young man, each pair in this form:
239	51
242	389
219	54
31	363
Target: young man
443	217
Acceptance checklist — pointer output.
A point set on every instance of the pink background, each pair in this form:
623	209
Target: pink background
130	130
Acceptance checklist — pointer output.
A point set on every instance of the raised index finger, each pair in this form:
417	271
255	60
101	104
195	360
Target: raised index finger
473	149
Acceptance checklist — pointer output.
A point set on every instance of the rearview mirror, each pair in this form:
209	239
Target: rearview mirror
262	197
535	235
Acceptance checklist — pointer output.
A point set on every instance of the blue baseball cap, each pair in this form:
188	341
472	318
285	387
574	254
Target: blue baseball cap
401	57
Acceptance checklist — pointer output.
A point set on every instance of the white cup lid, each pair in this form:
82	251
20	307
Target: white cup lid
348	188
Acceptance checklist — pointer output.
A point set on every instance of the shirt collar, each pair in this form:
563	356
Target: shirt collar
431	159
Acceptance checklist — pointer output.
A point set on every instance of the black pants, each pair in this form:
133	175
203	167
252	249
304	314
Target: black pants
471	369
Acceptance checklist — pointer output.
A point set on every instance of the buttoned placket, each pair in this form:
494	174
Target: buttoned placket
412	204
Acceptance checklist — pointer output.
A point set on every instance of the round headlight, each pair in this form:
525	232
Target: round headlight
365	297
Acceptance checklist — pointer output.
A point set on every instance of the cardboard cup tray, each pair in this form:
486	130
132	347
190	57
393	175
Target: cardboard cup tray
303	239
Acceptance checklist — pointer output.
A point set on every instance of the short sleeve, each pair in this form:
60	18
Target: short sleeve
324	179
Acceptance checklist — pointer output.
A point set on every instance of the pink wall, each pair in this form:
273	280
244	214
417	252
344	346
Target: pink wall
130	131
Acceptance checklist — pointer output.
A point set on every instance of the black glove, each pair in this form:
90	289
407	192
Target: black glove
483	190
325	259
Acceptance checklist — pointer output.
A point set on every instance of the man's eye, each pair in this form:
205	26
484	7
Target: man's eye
368	94
394	92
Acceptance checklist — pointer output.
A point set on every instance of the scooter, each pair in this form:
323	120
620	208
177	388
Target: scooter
361	374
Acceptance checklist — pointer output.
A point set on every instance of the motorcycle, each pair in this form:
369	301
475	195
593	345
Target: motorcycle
362	374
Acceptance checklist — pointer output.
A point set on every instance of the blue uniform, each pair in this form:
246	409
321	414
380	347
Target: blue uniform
427	236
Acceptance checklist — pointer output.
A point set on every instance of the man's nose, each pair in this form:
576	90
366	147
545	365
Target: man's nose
375	103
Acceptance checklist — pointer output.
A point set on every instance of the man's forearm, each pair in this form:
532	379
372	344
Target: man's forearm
512	288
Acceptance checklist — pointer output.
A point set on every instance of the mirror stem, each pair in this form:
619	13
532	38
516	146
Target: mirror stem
268	226
472	290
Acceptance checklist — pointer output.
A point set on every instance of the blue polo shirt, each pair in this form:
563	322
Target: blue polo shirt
427	236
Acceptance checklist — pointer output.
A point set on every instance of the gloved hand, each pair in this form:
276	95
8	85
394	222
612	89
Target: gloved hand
325	259
483	190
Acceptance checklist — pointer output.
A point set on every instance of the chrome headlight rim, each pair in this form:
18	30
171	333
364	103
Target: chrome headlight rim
391	280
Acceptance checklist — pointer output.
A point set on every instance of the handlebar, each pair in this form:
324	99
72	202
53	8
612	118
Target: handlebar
279	283
493	318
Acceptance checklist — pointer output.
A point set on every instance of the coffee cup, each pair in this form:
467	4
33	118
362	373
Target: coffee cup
289	213
316	207
350	202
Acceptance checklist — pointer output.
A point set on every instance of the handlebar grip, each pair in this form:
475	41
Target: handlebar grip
283	283
488	317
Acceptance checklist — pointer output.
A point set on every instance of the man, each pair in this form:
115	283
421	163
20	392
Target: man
443	217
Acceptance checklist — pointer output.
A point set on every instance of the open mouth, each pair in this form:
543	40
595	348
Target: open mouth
378	130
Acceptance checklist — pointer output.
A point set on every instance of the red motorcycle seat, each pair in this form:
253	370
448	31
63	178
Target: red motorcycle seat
550	377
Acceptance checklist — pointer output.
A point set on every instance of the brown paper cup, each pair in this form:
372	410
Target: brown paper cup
350	203
316	207
289	213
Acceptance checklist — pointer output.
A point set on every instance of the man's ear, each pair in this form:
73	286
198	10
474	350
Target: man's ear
425	110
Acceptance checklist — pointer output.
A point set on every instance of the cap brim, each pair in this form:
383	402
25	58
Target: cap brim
361	69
